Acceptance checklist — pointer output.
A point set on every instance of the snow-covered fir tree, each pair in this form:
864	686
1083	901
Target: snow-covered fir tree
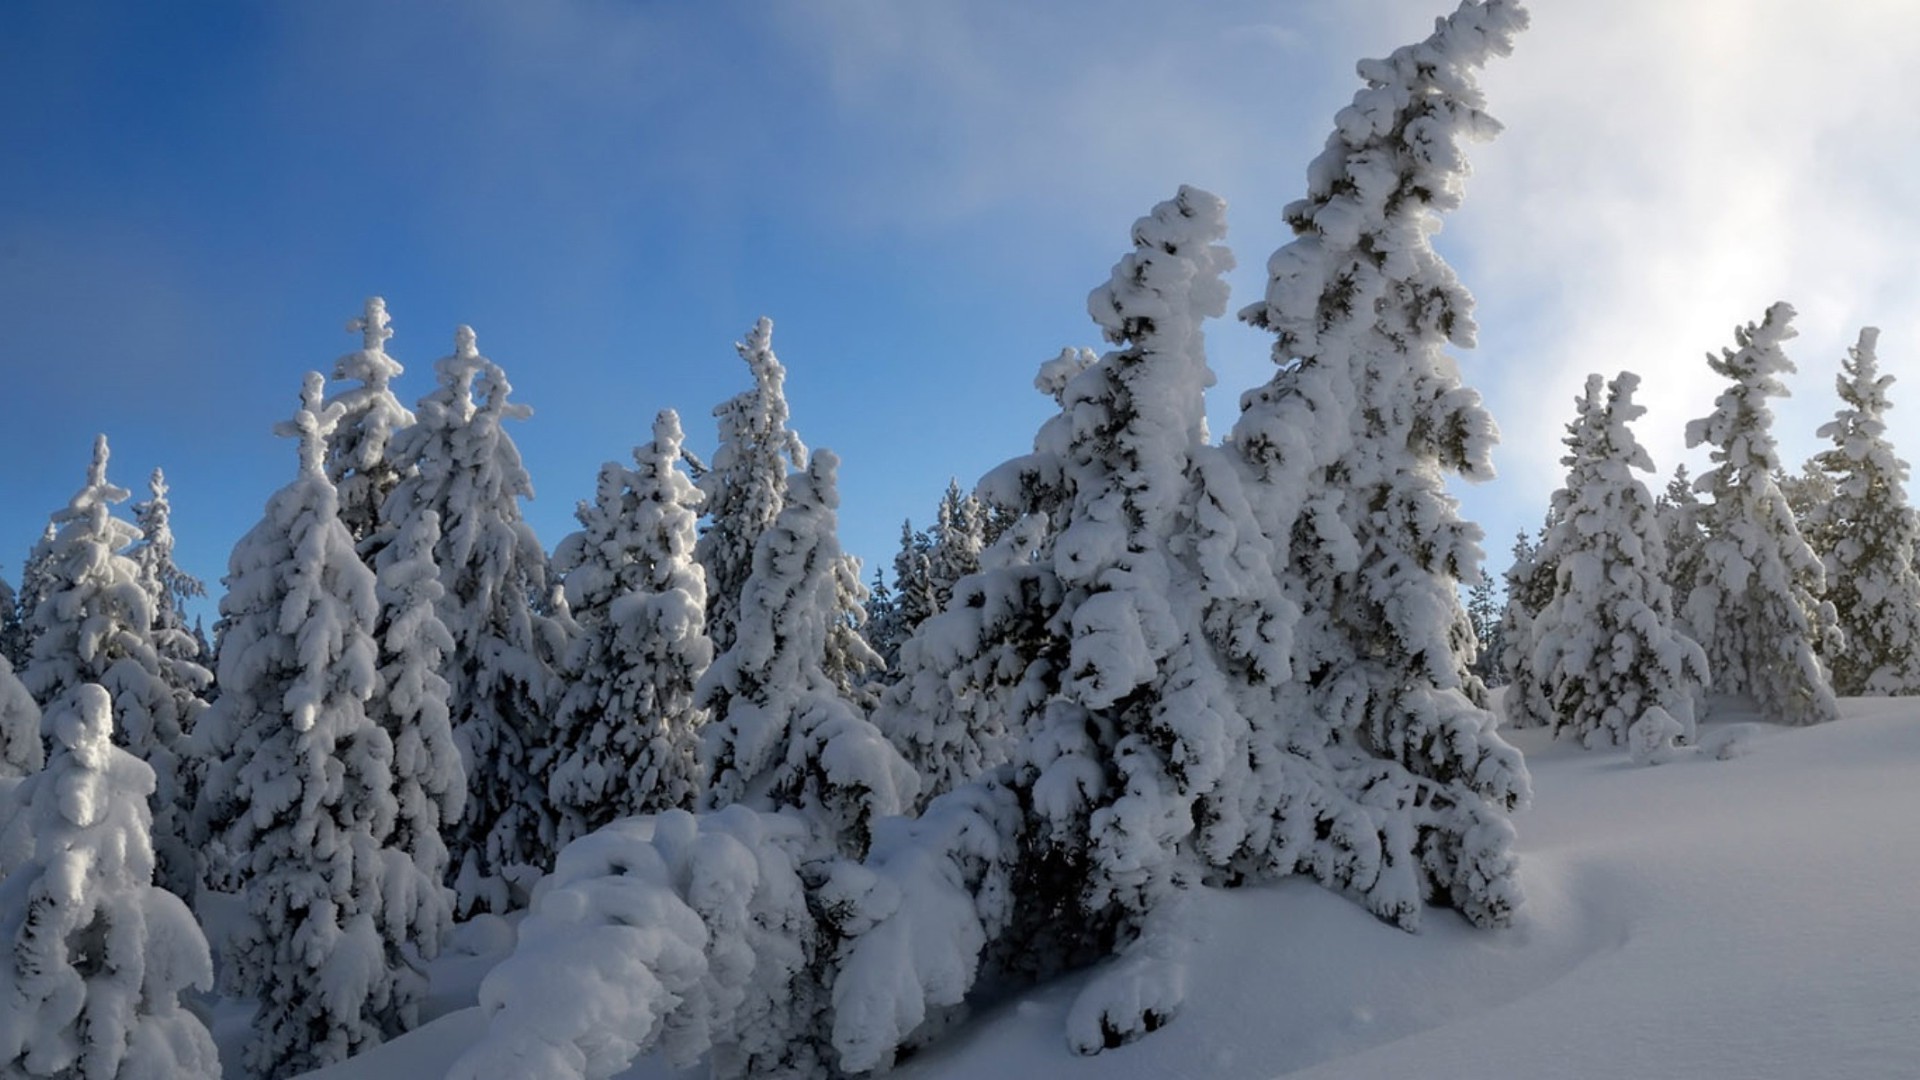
929	564
1678	509
468	472
1868	536
1755	605
21	752
1484	611
300	790
183	656
360	461
1604	652
94	623
1349	447
781	733
35	581
1529	582
96	955
747	479
1806	492
626	729
429	779
13	627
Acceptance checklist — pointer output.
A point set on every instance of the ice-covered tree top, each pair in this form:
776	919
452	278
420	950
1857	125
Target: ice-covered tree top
92	505
1741	426
1859	428
311	424
1392	163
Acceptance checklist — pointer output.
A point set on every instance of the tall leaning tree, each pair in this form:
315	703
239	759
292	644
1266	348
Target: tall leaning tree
1349	447
1756	605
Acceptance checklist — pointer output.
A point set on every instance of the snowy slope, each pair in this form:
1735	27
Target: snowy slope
1742	918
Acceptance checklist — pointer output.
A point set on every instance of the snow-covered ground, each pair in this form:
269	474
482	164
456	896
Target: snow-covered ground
1734	916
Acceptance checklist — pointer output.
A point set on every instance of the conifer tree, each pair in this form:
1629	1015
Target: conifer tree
96	955
1349	446
182	654
35	582
781	734
1867	535
747	480
1529	580
1755	605
360	461
499	674
13	630
94	624
1484	612
1679	511
300	789
21	753
1606	656
429	780
626	735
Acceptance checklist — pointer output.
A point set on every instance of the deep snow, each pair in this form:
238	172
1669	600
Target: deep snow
1741	918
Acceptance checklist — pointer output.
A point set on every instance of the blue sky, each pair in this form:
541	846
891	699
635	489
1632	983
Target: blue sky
195	198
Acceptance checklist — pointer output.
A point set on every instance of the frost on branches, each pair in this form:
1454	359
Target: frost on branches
1530	583
781	733
359	461
300	791
96	955
1866	535
1604	651
94	623
469	475
626	738
1756	604
1349	446
746	483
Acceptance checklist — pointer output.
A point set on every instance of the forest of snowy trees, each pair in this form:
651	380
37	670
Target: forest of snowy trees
750	808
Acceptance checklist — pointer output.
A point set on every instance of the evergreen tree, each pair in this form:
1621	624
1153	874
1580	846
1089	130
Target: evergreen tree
429	780
94	624
13	629
1529	580
499	673
21	753
1349	446
301	790
35	582
626	730
1755	605
359	458
182	655
747	480
1866	535
781	733
1678	510
1605	654
1484	612
97	956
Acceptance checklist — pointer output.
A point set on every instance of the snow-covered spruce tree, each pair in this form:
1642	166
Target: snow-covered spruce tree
97	955
780	732
1755	605
1529	580
626	730
183	656
359	460
1678	508
35	582
1348	448
429	779
94	623
1605	653
13	627
300	788
21	752
1868	537
1484	612
499	673
746	481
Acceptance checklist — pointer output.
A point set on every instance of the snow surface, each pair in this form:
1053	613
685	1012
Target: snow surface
1743	914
